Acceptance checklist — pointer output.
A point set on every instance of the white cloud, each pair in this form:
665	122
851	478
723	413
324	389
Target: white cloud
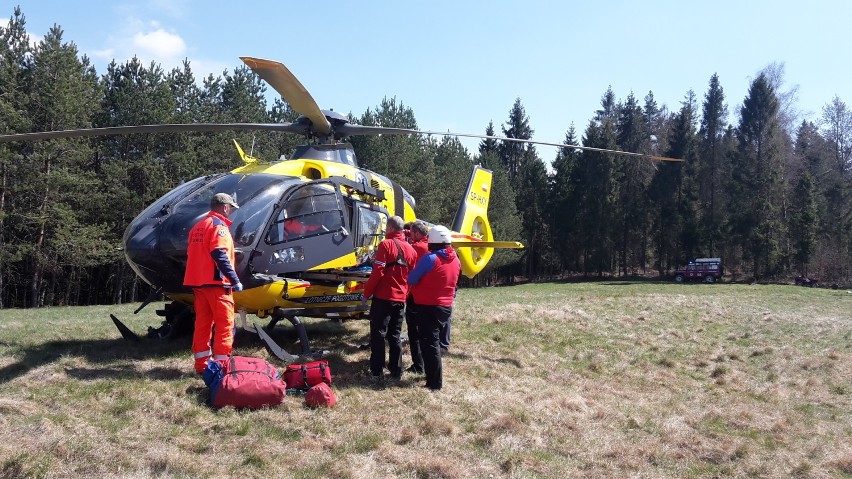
148	41
159	45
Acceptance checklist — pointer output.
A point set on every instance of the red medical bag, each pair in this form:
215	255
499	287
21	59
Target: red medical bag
303	376
244	382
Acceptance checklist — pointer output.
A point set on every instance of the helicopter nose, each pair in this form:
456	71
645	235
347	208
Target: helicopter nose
141	249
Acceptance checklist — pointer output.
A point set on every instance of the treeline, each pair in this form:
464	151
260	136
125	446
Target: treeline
769	196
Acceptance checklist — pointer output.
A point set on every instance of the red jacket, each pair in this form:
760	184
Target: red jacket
210	254
421	248
389	281
434	279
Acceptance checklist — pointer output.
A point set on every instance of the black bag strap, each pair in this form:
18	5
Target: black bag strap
400	260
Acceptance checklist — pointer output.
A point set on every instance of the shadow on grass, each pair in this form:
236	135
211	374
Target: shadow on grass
114	358
97	351
117	355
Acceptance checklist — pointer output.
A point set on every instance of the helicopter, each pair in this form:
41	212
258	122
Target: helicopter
306	227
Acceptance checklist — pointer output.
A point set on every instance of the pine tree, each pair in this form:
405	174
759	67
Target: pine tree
632	178
401	158
803	222
672	194
756	187
818	155
13	104
489	145
56	191
561	213
452	166
181	159
713	119
594	202
528	177
515	154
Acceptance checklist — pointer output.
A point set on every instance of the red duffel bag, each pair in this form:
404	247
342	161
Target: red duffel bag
303	376
243	382
320	395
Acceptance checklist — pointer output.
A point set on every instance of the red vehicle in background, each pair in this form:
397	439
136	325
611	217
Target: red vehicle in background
806	281
708	270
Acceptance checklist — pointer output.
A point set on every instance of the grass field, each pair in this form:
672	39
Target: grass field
602	379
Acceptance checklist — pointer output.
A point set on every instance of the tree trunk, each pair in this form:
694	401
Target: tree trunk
2	212
38	265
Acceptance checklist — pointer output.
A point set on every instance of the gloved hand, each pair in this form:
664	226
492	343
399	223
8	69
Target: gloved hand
238	286
364	300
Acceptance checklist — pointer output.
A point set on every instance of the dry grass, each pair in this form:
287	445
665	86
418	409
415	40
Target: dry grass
613	379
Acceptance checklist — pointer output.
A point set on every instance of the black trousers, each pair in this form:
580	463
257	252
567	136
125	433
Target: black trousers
386	324
430	320
445	333
413	333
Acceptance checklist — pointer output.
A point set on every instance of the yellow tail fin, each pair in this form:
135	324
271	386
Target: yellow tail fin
471	226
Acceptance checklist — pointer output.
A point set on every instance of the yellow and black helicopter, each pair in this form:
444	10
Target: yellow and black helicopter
306	226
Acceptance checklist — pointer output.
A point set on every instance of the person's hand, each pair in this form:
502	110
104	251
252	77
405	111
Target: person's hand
238	286
363	300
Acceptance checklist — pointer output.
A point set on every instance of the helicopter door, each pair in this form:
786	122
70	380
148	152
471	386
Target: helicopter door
368	230
309	231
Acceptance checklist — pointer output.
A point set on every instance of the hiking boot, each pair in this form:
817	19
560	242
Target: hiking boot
413	369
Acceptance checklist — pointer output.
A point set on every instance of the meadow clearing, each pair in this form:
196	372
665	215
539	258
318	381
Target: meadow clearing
576	379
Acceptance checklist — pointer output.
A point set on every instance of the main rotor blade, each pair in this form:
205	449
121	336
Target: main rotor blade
285	83
350	129
367	130
560	145
165	128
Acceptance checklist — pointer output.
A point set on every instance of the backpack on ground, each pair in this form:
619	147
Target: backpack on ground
243	382
303	376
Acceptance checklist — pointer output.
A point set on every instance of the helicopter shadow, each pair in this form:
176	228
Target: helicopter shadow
116	356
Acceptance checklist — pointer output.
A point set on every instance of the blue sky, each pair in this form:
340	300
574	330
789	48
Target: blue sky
460	64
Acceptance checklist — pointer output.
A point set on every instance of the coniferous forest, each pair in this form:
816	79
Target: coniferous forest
770	195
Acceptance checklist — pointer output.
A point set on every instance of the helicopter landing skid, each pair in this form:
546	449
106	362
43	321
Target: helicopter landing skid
273	346
277	315
126	333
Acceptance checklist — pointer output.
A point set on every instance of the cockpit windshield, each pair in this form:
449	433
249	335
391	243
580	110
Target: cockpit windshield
311	210
256	194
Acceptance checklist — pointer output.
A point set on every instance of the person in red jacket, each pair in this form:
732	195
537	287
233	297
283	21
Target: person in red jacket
417	231
433	282
388	288
211	275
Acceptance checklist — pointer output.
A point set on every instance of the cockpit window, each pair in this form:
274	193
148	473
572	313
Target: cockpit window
313	209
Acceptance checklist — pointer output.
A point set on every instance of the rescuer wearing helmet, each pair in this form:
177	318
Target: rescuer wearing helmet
418	237
433	282
211	275
388	286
